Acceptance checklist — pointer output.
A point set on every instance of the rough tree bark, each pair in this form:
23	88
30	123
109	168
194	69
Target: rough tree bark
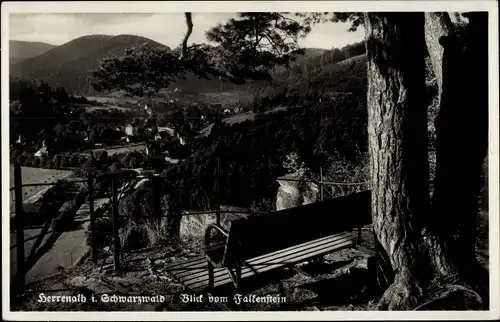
174	217
397	135
424	244
461	132
437	25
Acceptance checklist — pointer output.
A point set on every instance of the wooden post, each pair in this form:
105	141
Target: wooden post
18	189
218	192
93	232
116	237
158	191
321	183
210	275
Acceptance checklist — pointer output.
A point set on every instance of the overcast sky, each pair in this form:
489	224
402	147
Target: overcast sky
166	28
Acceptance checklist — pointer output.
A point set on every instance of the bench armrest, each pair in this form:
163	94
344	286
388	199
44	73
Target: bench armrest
209	230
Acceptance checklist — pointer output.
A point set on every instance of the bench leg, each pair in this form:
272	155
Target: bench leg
210	275
237	280
320	260
237	284
317	261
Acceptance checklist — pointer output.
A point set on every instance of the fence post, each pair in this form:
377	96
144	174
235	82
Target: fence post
157	184
93	232
218	192
116	237
321	183
18	189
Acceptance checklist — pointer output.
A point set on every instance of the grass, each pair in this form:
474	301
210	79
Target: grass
136	236
117	149
242	117
36	175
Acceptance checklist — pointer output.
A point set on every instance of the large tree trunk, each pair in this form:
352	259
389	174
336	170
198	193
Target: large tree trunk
397	135
461	131
421	243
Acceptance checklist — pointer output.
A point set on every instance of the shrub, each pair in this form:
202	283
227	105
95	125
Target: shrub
20	159
14	154
134	236
102	158
157	233
74	160
57	160
116	166
82	160
43	161
36	162
133	162
103	232
64	162
264	206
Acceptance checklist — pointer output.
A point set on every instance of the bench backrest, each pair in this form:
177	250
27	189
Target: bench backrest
258	235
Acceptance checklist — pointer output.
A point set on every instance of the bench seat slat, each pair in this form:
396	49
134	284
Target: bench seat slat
281	255
277	254
201	284
260	264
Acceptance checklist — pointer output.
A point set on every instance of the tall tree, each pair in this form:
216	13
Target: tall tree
397	136
420	240
461	131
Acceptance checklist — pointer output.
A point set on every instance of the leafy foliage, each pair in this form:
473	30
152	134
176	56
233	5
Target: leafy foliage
355	19
253	44
245	48
141	70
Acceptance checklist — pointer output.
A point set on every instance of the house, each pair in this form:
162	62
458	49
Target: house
130	130
132	138
205	132
161	135
167	129
42	152
227	111
182	138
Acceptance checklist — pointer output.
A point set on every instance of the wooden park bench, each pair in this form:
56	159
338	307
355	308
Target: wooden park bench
262	243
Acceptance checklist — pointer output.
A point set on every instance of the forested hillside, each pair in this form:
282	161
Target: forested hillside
71	64
325	123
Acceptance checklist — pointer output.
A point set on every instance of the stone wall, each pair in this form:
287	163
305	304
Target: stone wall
295	191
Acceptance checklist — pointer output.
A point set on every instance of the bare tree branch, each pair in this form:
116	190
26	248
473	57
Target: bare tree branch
189	23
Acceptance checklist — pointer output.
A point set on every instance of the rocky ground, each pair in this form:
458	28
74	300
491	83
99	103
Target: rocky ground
338	284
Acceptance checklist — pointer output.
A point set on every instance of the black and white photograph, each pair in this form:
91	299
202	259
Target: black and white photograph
309	159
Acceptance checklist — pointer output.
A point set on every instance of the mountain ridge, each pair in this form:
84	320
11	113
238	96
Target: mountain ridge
70	64
21	49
